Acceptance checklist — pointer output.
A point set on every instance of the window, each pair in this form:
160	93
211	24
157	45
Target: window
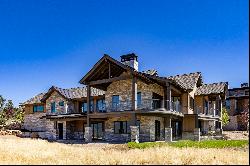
38	108
138	99
84	106
227	104
53	107
100	105
61	103
120	127
191	102
115	101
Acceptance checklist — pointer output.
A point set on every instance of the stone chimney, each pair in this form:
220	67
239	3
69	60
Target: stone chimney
243	85
130	60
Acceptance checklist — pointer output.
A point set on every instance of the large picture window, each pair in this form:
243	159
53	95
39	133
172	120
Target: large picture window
100	105
38	108
84	106
120	127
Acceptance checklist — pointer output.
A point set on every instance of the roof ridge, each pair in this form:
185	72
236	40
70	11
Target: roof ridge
186	74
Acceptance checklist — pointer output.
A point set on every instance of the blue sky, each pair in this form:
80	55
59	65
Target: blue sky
45	42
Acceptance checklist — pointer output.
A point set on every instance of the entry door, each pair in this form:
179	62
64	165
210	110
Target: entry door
97	129
60	130
157	130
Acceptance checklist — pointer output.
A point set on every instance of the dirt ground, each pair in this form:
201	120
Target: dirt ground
236	135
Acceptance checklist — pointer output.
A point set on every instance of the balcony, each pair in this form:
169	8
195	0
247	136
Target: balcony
158	104
210	111
145	105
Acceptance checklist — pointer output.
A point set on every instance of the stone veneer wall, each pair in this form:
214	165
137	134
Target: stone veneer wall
56	97
123	88
147	129
32	122
109	134
44	127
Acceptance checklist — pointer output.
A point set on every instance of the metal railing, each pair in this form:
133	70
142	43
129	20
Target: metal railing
145	104
207	111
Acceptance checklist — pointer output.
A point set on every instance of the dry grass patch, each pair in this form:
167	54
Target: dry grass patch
15	150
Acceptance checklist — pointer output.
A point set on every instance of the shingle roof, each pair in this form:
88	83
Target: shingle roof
72	93
34	100
214	88
78	92
151	72
186	81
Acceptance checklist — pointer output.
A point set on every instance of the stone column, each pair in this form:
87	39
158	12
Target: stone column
197	134
134	133
168	134
88	134
168	130
64	130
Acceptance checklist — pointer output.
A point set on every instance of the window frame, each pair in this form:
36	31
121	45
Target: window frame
117	103
121	125
61	103
54	105
139	103
35	108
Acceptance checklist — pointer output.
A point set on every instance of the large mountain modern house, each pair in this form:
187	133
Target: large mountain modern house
120	103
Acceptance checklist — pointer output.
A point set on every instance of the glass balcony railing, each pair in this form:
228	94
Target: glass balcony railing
154	104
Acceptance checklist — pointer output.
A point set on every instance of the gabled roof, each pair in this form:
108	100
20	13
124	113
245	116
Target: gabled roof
101	67
34	100
215	88
187	81
73	93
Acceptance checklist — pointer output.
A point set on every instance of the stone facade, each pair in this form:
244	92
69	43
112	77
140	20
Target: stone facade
32	122
56	97
168	134
147	128
123	88
44	127
109	134
135	132
197	134
88	134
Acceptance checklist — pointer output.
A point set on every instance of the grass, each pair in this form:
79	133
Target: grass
194	144
14	150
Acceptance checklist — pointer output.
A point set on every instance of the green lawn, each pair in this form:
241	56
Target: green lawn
195	144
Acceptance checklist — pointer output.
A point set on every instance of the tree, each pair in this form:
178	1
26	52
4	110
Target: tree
2	101
245	117
225	117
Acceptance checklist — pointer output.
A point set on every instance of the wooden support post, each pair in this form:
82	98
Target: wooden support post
134	93
196	121
88	104
218	105
134	100
168	95
164	98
